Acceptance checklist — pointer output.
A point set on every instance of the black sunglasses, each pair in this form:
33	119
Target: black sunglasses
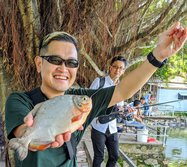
56	60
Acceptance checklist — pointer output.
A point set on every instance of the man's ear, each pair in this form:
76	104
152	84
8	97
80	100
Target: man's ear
38	63
109	69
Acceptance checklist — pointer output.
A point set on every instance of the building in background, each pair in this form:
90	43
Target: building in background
175	90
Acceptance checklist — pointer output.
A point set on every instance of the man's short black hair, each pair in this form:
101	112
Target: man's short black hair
136	103
142	98
118	58
57	36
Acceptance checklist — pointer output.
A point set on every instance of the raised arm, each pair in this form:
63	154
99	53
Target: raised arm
170	42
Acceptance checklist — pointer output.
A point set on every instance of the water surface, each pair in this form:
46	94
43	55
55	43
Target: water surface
176	145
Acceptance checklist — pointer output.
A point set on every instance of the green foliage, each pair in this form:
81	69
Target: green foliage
120	161
176	65
180	114
177	163
158	5
142	163
179	132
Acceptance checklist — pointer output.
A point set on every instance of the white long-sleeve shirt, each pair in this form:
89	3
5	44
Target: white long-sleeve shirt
95	123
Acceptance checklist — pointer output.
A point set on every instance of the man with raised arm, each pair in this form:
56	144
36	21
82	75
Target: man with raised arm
58	63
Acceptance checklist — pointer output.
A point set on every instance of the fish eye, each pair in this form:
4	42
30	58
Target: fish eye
85	98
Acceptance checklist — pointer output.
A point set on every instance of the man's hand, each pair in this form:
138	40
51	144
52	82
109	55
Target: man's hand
130	109
170	42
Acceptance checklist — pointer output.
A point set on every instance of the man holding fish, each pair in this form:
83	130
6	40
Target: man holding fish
58	64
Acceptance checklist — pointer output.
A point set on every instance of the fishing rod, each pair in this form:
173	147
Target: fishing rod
156	104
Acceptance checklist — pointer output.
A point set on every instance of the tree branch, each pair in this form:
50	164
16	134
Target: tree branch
95	67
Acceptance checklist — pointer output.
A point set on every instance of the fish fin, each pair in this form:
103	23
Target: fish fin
20	146
39	147
76	118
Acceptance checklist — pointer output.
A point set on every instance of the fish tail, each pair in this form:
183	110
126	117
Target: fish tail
20	146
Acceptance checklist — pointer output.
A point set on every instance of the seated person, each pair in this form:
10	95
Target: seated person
134	117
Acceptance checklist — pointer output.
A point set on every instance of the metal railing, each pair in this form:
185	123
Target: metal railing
161	110
126	159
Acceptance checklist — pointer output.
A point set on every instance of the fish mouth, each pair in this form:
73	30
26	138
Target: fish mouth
84	104
88	106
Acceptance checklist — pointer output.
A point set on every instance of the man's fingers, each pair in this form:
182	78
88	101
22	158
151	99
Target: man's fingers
81	128
173	28
28	120
55	144
67	136
179	38
60	140
183	37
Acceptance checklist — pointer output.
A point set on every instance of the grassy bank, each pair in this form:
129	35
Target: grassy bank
173	132
180	114
177	163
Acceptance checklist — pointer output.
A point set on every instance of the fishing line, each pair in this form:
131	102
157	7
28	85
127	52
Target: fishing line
95	92
156	104
120	111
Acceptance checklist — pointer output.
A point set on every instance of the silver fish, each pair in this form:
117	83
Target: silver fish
52	117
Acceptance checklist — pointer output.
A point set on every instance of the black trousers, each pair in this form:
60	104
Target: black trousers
99	140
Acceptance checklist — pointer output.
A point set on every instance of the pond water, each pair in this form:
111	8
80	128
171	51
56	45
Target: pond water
176	145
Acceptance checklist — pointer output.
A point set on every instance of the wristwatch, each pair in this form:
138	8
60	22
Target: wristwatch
151	58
